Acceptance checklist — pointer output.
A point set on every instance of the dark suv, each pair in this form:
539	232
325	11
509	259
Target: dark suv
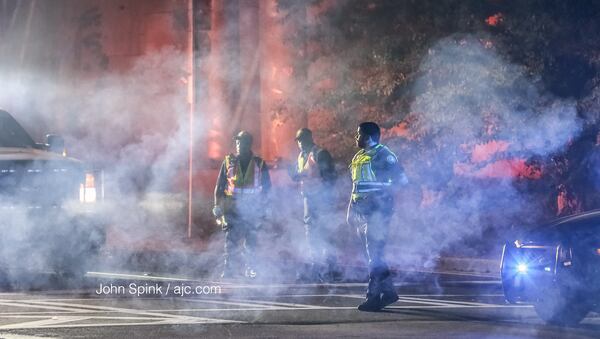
556	268
47	219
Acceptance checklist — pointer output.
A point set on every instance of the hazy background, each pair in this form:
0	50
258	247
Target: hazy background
491	107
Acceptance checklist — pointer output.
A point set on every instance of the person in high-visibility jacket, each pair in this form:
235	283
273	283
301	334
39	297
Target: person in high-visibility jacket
376	175
315	171
240	204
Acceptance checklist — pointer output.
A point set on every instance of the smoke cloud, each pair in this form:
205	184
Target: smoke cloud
483	119
134	125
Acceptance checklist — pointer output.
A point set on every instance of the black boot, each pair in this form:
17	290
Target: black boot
373	301
388	298
389	295
372	304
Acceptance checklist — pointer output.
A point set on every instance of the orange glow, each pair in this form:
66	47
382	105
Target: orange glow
484	152
407	129
495	20
90	181
566	202
401	130
87	190
506	168
483	165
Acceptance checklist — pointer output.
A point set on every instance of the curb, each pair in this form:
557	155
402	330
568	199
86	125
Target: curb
487	267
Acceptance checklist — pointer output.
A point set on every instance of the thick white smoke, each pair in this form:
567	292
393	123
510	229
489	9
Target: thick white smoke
468	93
133	125
142	145
464	80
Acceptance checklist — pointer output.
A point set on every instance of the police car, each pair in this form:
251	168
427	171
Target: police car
556	268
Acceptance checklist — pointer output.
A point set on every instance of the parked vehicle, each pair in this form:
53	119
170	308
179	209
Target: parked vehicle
47	217
556	268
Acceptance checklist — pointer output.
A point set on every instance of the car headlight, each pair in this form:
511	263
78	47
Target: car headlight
522	268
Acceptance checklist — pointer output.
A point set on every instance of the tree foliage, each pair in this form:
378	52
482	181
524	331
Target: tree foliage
360	60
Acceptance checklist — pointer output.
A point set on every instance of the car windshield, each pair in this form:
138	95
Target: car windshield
12	134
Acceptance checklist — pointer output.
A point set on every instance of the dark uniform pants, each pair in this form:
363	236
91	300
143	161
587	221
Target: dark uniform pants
243	222
373	215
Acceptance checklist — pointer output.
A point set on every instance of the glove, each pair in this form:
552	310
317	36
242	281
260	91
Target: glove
223	223
217	211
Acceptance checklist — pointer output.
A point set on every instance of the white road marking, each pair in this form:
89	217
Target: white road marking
424	302
152	318
136	276
241	284
429	302
452	295
54	321
15	303
289	305
68	313
109	308
17	336
464	303
333	308
403	298
228	302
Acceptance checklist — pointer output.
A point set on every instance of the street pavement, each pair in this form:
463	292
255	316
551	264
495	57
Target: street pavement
130	304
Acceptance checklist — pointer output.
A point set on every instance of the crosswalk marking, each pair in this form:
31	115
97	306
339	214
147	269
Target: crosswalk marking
57	321
66	313
451	302
54	321
39	306
228	302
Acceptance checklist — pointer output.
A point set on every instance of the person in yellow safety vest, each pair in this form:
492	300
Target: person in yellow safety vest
315	171
376	175
240	204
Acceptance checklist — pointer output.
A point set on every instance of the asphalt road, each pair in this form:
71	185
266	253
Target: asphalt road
131	305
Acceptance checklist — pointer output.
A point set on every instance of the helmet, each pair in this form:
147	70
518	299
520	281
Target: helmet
243	136
304	134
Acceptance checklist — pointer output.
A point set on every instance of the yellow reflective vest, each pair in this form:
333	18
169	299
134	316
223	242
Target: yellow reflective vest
246	183
364	178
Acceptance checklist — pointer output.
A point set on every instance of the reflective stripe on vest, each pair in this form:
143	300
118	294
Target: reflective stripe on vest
238	184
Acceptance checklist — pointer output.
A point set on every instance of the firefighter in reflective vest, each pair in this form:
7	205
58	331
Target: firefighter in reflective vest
376	174
315	171
240	205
